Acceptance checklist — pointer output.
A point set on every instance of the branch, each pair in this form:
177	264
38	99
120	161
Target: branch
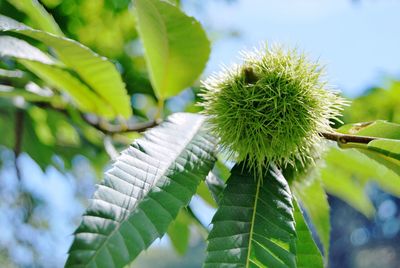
103	125
108	128
346	138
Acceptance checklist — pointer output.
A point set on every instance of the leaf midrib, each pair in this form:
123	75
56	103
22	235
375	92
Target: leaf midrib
119	223
253	217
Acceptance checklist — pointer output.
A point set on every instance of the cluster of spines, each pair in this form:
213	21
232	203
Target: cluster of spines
271	108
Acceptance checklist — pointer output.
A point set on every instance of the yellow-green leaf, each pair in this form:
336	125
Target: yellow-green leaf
307	252
312	196
176	46
100	74
38	15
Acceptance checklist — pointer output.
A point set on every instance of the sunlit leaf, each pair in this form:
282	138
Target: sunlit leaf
176	46
386	147
312	196
381	129
100	74
38	15
82	96
307	252
143	192
363	169
388	162
14	47
211	189
340	182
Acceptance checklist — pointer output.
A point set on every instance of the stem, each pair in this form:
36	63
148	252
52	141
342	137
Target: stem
103	125
348	141
108	128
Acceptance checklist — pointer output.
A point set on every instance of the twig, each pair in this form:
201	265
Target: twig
346	138
19	128
108	128
103	125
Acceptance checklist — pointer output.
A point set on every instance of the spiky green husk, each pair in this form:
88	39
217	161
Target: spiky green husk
271	108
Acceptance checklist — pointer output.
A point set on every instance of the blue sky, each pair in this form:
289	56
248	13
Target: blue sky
358	41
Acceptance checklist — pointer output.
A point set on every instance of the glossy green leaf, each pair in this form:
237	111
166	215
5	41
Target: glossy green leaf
312	196
388	162
176	46
386	147
85	99
381	129
100	74
254	225
38	15
307	252
49	70
143	192
17	48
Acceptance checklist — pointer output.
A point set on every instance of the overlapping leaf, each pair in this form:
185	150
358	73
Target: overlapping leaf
387	151
38	15
386	147
254	225
313	197
363	169
51	71
143	192
215	186
14	47
100	74
84	98
307	252
388	162
379	128
340	182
